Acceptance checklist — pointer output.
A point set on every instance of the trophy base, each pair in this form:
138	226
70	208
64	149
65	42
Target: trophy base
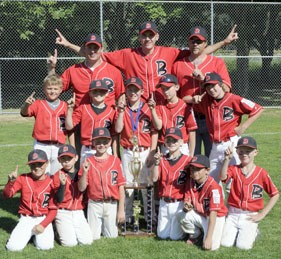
140	233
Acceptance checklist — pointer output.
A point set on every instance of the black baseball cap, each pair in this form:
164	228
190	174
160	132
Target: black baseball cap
98	84
198	32
67	150
167	80
134	81
93	38
148	26
37	156
174	133
200	161
212	79
247	142
101	133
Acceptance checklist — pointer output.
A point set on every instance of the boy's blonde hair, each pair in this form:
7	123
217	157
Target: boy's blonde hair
52	79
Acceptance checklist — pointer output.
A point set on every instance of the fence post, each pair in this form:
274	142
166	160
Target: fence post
0	91
101	20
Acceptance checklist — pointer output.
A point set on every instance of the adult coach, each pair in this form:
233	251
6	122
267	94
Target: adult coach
191	71
147	62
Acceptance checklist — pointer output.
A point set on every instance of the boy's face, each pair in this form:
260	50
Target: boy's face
101	144
148	39
170	92
93	52
216	91
68	162
198	174
52	92
246	154
133	93
98	95
38	170
172	144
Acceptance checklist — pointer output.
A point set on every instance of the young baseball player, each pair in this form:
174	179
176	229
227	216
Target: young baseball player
174	112
171	176
37	209
148	62
204	212
246	202
224	112
71	224
101	175
92	115
134	124
49	128
191	71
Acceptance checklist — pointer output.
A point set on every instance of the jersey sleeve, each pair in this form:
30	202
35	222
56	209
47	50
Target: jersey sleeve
116	58
77	115
190	121
66	79
33	109
12	187
269	186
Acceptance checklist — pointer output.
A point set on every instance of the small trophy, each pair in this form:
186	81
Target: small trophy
136	215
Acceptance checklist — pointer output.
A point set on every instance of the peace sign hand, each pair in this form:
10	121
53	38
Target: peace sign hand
197	73
61	40
232	36
85	166
228	154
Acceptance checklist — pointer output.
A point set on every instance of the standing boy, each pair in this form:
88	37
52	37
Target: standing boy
246	202
70	222
92	115
204	212
49	128
171	176
224	113
37	209
135	127
174	112
101	175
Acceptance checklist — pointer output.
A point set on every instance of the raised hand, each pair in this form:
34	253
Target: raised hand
30	100
71	102
187	205
228	153
232	36
62	177
53	59
157	156
61	40
151	102
198	98
197	73
85	166
13	175
121	105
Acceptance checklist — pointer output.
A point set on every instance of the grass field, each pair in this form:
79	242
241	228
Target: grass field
16	142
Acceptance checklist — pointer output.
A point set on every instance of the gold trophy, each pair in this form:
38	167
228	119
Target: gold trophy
135	165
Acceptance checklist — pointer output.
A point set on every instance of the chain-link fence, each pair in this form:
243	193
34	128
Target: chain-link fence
28	35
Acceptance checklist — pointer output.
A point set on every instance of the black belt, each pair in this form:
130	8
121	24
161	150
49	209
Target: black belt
48	142
105	200
170	200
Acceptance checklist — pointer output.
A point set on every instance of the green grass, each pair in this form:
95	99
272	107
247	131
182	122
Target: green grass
18	131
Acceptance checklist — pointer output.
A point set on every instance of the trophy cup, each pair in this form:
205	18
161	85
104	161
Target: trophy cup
135	168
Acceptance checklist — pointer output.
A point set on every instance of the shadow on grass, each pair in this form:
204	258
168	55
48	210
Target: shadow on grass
10	205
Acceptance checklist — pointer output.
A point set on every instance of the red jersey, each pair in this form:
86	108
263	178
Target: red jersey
90	120
247	193
72	196
188	84
224	116
37	196
178	115
79	76
148	68
143	131
172	178
49	124
104	178
206	199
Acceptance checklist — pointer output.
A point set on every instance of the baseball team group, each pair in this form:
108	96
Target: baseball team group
168	106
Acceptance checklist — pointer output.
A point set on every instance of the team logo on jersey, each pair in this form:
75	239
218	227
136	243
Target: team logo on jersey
182	177
46	200
257	191
228	113
114	175
206	204
62	123
107	124
110	84
179	121
146	125
161	67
